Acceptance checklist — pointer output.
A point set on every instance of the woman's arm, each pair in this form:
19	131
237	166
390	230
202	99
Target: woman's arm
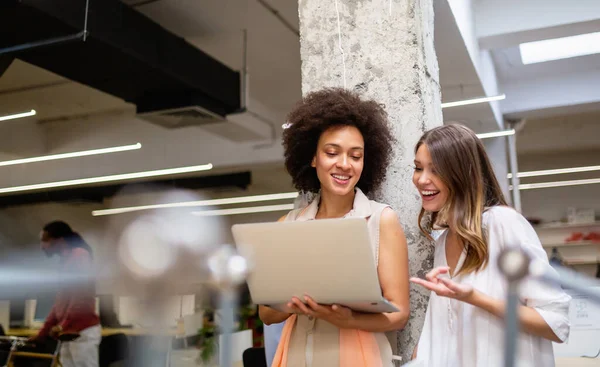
530	320
415	351
393	277
546	308
270	316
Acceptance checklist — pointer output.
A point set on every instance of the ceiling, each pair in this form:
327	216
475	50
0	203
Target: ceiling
471	65
273	59
24	87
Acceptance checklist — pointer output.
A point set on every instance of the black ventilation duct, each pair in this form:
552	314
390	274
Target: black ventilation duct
5	61
123	53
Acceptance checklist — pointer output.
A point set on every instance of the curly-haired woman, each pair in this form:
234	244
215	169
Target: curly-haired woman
338	146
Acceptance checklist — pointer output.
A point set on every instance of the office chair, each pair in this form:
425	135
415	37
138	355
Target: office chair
113	348
254	357
18	349
4	348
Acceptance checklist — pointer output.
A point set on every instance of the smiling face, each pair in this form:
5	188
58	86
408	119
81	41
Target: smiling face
434	193
339	159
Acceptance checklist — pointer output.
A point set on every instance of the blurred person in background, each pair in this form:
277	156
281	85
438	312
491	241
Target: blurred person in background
74	309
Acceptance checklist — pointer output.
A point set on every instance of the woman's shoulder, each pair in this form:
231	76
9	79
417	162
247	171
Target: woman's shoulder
514	226
376	205
385	210
292	215
502	213
388	218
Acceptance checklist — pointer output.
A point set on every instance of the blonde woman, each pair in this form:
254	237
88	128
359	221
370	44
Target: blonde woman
463	324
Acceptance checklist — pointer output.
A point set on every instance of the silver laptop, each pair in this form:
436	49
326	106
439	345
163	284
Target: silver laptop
330	259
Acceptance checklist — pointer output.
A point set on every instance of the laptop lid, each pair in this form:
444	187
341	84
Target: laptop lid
330	259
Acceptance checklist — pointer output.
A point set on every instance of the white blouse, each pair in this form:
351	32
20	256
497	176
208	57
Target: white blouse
461	335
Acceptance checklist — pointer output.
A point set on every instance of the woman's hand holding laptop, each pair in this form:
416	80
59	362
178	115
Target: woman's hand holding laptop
337	315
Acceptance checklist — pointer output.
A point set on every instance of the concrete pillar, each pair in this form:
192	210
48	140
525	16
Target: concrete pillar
383	49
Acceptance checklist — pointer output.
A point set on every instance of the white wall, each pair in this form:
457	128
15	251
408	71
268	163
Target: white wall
465	20
463	12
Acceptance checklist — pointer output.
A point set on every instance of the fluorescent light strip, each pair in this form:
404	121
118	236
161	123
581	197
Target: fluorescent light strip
82	153
199	203
120	177
559	171
474	101
560	48
545	185
496	134
18	115
248	210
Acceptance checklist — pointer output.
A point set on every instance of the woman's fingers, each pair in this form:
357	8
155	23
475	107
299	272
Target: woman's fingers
432	276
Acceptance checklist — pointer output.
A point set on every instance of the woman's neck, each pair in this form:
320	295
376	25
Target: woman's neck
453	235
335	206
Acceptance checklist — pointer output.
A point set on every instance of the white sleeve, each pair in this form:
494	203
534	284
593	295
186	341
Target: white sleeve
506	228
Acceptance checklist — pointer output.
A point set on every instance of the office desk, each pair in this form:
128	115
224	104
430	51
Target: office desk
105	332
577	362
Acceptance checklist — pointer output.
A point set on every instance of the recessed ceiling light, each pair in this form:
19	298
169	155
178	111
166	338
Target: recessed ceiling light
560	48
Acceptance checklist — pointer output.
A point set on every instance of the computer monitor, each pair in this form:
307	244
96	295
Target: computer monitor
17	313
41	308
132	311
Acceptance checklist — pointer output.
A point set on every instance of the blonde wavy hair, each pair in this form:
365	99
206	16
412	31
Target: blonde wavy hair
462	164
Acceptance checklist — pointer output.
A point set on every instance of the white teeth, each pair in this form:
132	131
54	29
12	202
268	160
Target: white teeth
427	193
341	177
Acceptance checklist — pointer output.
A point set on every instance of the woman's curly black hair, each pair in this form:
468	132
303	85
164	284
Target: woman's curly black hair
323	109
